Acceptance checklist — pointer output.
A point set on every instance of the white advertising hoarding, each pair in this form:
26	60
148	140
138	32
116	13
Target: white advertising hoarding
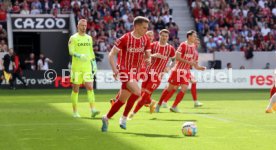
209	79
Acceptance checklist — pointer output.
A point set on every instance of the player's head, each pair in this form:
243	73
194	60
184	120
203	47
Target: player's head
164	36
141	25
150	34
82	24
11	51
191	36
197	42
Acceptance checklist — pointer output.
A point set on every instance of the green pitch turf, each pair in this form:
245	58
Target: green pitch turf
42	120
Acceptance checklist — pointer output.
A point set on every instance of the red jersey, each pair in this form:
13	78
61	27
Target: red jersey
132	51
272	91
188	52
157	64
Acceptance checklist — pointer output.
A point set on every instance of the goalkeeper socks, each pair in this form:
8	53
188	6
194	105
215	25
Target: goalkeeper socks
178	99
167	97
74	98
115	107
193	91
91	96
130	102
140	104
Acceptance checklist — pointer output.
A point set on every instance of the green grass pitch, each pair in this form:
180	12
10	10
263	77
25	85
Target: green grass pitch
42	120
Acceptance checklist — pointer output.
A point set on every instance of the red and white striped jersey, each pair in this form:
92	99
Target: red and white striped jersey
157	64
132	51
188	52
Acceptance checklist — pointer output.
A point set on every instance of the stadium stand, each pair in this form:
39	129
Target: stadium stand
231	25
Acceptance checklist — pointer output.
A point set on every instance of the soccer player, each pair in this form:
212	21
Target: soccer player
150	35
132	47
161	53
193	88
83	67
186	57
272	102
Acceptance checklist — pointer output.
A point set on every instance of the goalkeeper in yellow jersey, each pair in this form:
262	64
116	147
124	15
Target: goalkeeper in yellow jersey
83	67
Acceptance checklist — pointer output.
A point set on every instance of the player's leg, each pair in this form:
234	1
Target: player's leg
76	79
124	95
272	104
135	94
273	90
167	98
194	93
179	97
112	100
74	99
165	95
91	99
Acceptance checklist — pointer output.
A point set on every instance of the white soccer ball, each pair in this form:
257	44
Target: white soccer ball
189	129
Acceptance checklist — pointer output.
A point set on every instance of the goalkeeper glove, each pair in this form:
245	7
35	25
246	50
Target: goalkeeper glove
82	57
94	66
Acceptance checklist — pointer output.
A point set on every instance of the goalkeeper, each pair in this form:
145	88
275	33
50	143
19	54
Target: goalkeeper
83	67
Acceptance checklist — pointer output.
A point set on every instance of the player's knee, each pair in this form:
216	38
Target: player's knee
138	93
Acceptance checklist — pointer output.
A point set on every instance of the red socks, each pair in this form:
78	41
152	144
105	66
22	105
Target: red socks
178	99
130	102
193	91
114	109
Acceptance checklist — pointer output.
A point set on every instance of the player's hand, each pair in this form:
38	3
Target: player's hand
82	57
115	74
94	66
148	61
203	68
167	69
193	63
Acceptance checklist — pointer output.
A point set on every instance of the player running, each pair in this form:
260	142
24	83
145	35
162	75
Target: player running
83	67
132	46
186	57
193	89
161	53
272	102
150	35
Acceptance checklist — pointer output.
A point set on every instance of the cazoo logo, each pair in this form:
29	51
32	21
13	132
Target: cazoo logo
40	23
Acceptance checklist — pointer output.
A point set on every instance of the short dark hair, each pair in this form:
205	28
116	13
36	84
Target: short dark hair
140	19
189	33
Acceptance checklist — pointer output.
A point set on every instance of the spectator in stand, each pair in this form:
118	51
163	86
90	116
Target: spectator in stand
16	8
25	10
3	13
46	6
43	62
229	66
35	10
3	46
267	66
211	45
30	62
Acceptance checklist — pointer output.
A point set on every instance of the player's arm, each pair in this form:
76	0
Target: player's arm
93	58
178	58
158	55
72	50
197	67
111	57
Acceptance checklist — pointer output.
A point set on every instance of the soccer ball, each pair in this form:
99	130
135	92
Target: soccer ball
189	129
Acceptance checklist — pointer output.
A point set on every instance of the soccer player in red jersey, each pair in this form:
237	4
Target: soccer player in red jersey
186	57
272	102
132	47
193	88
161	53
150	35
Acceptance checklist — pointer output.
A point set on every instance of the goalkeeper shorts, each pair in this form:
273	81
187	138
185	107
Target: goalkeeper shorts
80	77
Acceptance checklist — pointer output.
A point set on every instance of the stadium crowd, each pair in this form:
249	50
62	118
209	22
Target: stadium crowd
235	25
107	19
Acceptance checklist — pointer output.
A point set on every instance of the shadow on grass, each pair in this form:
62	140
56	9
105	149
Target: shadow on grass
150	135
158	119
